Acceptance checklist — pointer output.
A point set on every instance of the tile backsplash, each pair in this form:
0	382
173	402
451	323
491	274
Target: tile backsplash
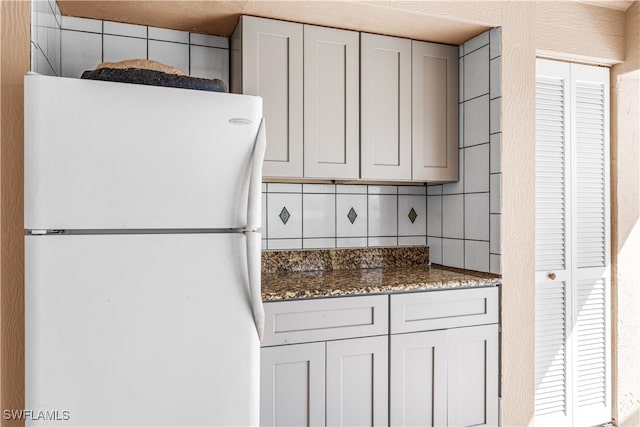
297	216
463	218
67	46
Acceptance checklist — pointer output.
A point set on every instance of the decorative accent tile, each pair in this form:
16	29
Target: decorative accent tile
344	226
284	215
352	215
412	215
276	227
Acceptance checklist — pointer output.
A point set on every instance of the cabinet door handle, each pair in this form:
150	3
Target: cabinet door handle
552	276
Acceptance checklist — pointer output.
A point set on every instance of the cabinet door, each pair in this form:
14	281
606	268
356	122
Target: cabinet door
271	67
331	103
472	368
357	382
385	113
292	385
435	112
418	380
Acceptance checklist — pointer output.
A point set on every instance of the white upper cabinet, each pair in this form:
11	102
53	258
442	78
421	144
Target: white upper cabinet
435	112
267	60
385	111
331	103
344	105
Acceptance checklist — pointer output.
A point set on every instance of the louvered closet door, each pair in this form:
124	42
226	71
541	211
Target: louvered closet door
590	269
553	244
572	241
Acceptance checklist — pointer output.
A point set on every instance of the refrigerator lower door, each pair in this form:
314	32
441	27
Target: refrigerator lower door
140	330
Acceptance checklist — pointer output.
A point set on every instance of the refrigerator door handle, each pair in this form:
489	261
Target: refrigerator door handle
255	289
254	215
254	208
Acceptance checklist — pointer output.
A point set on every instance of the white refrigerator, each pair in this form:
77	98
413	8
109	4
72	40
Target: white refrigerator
142	254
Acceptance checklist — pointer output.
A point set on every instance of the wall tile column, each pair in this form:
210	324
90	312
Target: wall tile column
463	220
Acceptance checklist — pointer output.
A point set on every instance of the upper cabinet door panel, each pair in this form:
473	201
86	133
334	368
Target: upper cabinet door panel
435	112
272	68
386	107
331	103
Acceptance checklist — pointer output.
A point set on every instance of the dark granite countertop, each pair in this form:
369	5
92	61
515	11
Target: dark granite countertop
365	281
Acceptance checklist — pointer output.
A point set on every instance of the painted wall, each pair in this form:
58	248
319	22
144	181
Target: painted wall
594	26
625	215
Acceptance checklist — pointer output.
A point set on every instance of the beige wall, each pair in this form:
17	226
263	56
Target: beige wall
566	30
14	63
625	213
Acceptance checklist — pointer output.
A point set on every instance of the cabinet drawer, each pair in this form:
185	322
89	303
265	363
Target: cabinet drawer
289	322
443	309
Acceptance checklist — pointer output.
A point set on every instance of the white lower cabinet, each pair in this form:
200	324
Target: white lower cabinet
433	360
445	378
357	382
418	379
344	380
292	386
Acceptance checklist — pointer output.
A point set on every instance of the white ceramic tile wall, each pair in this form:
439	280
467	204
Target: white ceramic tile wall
45	37
463	218
327	215
67	46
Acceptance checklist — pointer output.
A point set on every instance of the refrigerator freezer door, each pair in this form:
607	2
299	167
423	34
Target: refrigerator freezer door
141	330
103	155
